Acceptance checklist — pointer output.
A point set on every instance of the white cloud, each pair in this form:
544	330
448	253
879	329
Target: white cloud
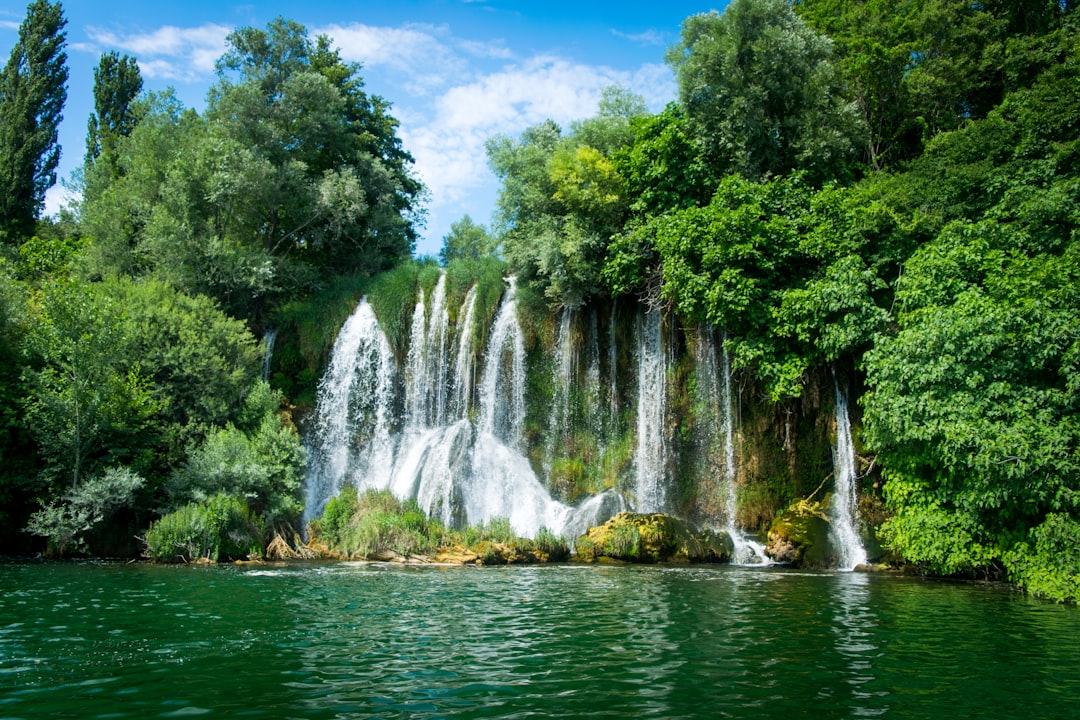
172	53
9	25
649	37
448	144
59	196
413	52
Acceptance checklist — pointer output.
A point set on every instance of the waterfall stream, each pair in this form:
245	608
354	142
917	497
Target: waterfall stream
844	507
651	456
458	471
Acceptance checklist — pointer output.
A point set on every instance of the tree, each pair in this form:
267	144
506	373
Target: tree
761	95
466	240
88	405
117	82
32	95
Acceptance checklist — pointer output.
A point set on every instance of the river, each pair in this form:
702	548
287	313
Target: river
90	640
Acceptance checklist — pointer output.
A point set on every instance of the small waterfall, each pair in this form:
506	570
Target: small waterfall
594	410
354	400
502	385
438	329
844	507
268	352
463	359
651	456
613	370
376	431
563	375
715	397
425	381
416	396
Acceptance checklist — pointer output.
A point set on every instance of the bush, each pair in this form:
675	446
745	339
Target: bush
219	528
1051	568
262	460
65	522
552	545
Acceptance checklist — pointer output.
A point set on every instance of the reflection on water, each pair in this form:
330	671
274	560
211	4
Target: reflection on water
372	641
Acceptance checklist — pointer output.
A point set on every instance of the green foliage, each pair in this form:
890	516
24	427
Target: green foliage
563	198
292	173
88	406
219	528
376	522
32	95
261	461
200	363
1051	568
65	522
117	82
761	94
466	241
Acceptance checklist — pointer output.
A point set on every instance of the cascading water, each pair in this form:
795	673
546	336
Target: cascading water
613	370
563	375
715	397
844	506
502	385
354	401
651	456
268	352
458	471
463	359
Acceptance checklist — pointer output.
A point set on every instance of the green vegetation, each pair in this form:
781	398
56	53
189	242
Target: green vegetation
376	525
128	360
884	187
217	529
887	190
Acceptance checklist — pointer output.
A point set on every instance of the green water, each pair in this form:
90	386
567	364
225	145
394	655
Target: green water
371	641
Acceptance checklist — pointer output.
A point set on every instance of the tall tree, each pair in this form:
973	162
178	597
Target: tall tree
761	95
32	95
117	82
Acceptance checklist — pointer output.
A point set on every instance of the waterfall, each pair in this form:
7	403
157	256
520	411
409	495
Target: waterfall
416	396
354	400
651	456
715	397
502	385
594	411
563	374
425	376
613	371
844	506
376	432
463	359
268	352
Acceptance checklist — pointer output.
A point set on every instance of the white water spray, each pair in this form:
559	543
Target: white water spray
844	507
651	456
354	400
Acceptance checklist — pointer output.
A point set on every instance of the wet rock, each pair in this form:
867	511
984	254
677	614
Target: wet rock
648	538
799	535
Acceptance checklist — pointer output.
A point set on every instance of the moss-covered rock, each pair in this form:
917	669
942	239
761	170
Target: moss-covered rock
799	535
636	537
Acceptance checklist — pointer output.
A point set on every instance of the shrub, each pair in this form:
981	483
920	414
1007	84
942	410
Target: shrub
65	522
219	528
552	545
262	460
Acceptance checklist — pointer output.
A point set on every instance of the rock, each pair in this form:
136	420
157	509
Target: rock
800	535
657	537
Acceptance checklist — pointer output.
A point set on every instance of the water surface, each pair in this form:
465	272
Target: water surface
376	641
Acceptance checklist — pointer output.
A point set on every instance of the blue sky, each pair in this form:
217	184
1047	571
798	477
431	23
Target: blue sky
455	71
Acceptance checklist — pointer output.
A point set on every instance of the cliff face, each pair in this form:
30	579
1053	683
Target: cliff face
560	418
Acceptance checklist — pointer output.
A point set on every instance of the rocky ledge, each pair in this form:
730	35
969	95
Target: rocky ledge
650	538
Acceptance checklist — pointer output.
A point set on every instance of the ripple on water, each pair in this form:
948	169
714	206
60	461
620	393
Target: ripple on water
363	641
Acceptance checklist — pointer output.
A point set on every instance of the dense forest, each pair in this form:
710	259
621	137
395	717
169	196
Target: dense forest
892	187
